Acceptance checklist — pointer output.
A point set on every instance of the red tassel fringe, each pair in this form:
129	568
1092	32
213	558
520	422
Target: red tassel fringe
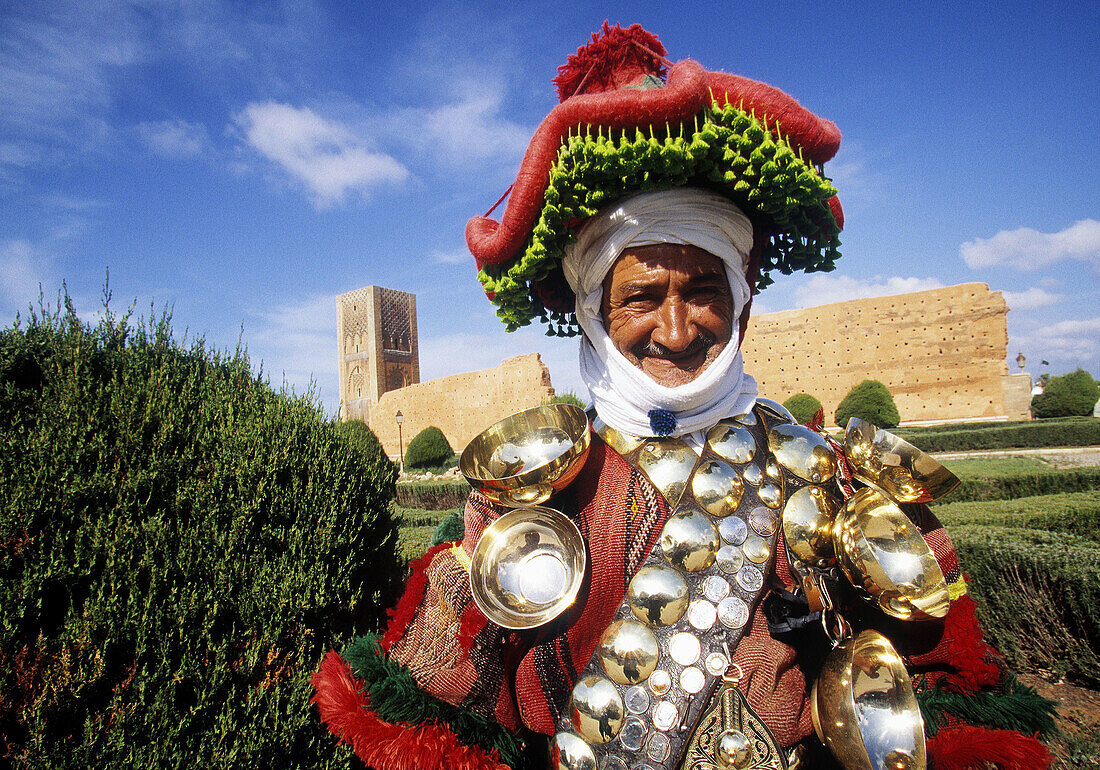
967	649
345	709
405	610
615	57
968	748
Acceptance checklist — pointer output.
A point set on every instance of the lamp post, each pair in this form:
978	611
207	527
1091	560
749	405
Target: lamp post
1021	361
400	442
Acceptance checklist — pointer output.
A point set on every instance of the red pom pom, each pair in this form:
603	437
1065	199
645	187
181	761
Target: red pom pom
616	57
968	748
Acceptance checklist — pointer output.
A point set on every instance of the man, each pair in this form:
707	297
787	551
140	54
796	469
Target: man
645	211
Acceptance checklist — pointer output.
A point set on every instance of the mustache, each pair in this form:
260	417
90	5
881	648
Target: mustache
702	342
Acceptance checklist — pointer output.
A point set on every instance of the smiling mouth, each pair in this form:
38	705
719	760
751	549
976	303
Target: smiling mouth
691	357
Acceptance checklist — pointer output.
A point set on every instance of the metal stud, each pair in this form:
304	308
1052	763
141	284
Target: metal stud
692	680
637	700
717	488
771	468
571	753
752	475
730	559
614	763
658	747
716	588
748	419
684	648
763	521
665	716
756	549
658	595
803	452
808	523
734	444
596	709
628	651
770	495
701	614
733	530
750	578
689	541
668	464
633	734
733	611
659	682
717	663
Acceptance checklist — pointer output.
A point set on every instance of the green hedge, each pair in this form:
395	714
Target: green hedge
994	486
437	495
1038	596
418	517
1077	514
179	546
870	400
1067	432
428	448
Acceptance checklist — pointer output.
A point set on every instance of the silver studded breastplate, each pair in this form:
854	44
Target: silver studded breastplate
661	658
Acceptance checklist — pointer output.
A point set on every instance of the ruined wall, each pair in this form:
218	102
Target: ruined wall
940	352
462	405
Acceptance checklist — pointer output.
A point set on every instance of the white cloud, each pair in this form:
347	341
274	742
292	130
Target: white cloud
23	269
466	131
823	289
457	257
174	138
1031	299
1073	340
324	155
297	344
1027	249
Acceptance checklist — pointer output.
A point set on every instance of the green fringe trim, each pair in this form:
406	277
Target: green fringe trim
395	697
450	529
1018	708
729	151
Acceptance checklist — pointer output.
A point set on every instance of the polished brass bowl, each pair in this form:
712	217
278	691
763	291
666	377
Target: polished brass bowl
527	567
864	708
525	458
885	556
893	465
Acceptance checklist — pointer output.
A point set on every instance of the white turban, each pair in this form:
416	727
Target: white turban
622	393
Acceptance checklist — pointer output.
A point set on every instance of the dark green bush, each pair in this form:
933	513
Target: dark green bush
1038	596
359	435
428	447
871	401
179	546
451	528
1040	482
1065	432
436	495
1076	513
568	397
803	406
1072	395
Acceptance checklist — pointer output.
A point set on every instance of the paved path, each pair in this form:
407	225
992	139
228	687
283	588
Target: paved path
1063	457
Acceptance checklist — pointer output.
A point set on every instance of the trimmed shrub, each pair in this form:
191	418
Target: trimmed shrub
568	397
1072	395
429	447
1076	513
803	406
179	546
359	435
1008	486
1064	432
871	401
440	495
1038	596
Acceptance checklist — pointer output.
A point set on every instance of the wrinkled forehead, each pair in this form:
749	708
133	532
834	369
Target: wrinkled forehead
661	262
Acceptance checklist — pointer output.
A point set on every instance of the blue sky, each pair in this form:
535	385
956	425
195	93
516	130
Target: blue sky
245	162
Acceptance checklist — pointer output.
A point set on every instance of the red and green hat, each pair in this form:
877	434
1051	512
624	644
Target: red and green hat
629	121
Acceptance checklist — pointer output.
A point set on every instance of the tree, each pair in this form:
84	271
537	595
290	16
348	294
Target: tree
803	406
179	546
870	400
1074	394
429	447
568	397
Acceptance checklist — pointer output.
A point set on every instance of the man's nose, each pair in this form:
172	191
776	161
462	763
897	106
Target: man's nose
673	328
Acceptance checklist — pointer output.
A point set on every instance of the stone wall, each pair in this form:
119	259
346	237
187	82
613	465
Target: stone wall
940	352
462	405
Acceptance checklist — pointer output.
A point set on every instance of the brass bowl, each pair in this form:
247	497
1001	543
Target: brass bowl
885	556
893	465
527	567
864	708
525	458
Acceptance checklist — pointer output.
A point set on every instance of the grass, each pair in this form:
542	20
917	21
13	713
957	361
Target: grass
1000	467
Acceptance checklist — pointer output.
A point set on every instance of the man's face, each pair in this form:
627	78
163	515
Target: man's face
668	309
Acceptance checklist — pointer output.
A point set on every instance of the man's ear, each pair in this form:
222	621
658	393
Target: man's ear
751	274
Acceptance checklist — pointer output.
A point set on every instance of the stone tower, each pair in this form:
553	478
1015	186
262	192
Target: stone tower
376	335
